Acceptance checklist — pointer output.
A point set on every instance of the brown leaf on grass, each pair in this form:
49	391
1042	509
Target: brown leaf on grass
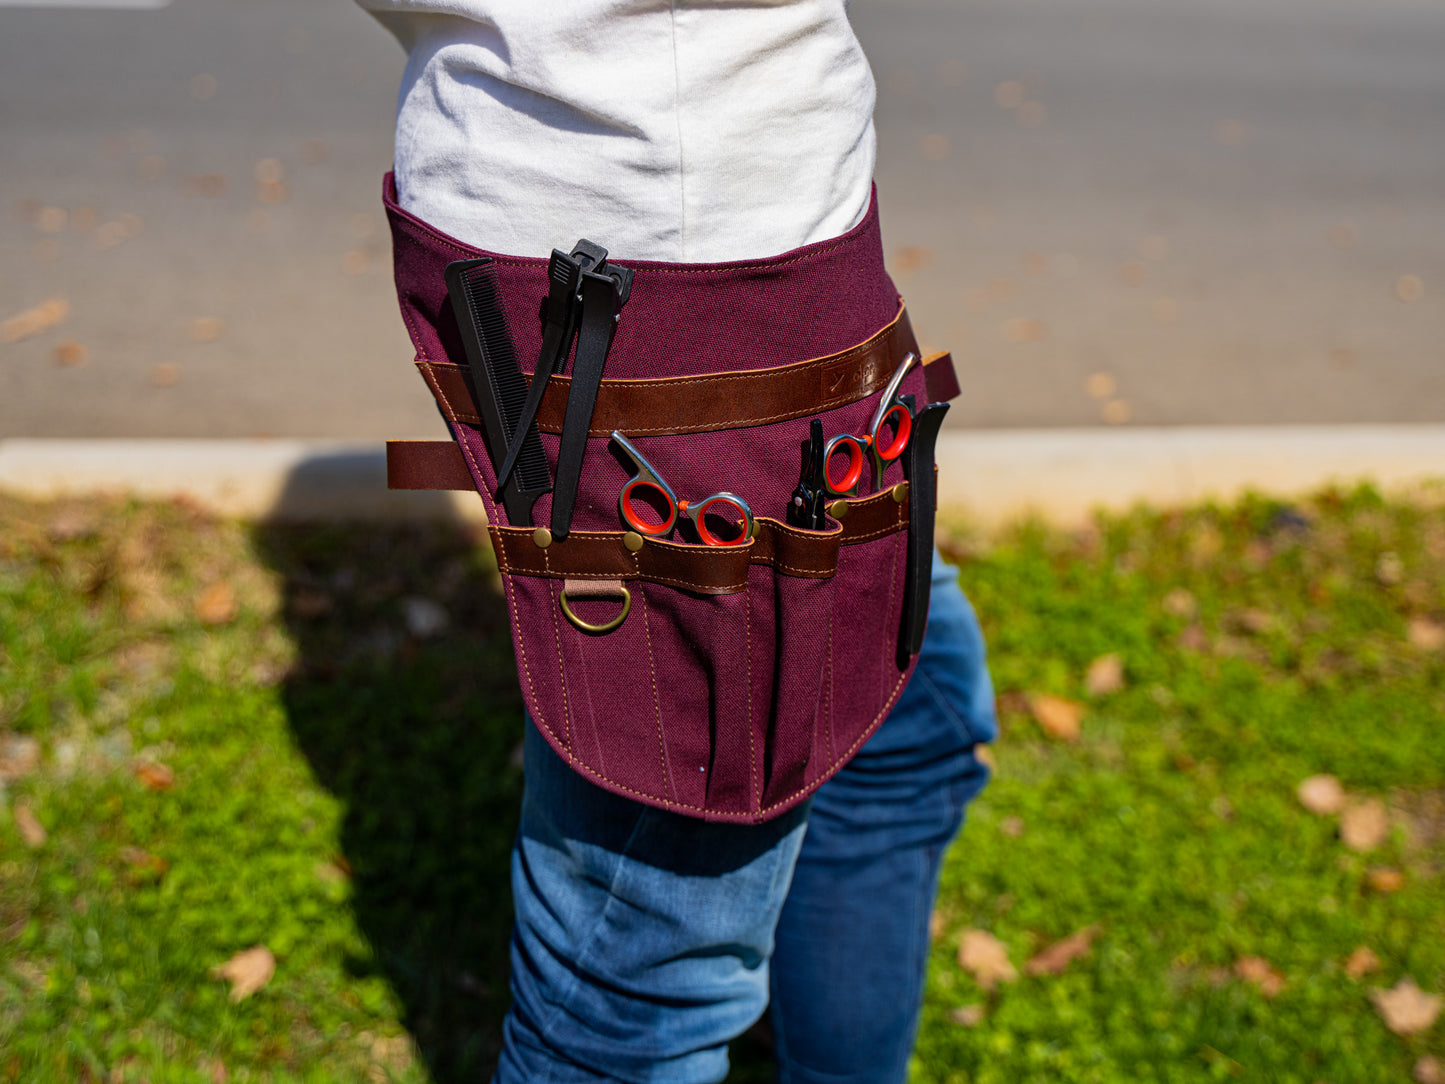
983	753
155	776
34	320
1058	956
217	604
1385	880
1405	1008
1180	603
1011	826
1194	638
1364	825
30	828
1258	970
144	866
1059	718
1361	962
1253	620
985	957
19	756
1429	1070
968	1016
1105	675
1426	634
247	971
1322	795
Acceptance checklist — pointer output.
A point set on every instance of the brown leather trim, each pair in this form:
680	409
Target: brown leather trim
426	464
706	570
712	401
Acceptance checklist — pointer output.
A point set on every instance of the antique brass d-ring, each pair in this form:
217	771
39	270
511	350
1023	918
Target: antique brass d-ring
598	630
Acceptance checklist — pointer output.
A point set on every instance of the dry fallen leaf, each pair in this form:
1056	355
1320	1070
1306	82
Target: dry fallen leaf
1385	880
1429	1070
217	604
155	775
937	925
1364	825
143	864
1426	634
29	826
68	353
1180	603
206	185
1058	956
1116	412
1257	969
1409	288
1023	329
1321	794
1105	675
247	971
1361	962
968	1016
1101	385
1406	1009
1013	827
166	374
206	329
908	258
33	321
934	147
1059	718
985	957
1009	95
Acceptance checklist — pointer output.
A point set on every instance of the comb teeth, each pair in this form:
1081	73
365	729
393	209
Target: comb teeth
502	379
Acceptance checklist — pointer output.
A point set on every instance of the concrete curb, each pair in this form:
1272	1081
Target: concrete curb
992	476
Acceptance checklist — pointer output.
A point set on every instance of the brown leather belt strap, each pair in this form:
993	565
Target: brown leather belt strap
713	401
440	464
426	464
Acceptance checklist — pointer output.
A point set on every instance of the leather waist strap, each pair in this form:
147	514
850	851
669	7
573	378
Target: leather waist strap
440	464
711	401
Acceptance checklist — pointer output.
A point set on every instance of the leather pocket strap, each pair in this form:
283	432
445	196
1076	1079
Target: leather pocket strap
712	401
707	570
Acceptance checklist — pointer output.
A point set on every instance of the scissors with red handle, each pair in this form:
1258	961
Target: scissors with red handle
727	507
885	440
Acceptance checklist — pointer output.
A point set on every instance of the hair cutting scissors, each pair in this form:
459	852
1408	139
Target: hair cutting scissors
728	507
885	440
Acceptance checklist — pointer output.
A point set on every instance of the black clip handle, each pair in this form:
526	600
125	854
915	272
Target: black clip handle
918	463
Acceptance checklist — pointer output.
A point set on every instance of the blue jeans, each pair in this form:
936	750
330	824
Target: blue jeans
645	941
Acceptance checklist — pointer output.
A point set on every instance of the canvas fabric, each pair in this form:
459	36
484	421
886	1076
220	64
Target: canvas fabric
726	706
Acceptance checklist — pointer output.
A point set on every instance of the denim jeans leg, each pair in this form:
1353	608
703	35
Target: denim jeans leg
642	937
852	941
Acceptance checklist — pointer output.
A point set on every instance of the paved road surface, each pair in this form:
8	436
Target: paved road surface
1114	211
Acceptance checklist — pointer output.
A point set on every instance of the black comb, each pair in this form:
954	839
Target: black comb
498	386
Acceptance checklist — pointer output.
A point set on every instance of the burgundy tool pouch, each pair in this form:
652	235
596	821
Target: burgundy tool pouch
739	678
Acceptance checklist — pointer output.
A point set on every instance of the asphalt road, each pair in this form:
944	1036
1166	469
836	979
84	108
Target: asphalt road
1113	211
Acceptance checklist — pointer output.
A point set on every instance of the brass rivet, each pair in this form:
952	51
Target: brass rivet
632	540
838	509
900	493
542	537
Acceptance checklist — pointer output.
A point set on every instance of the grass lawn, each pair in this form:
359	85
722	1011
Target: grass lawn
216	736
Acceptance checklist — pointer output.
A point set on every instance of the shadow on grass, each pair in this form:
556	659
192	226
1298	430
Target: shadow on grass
404	700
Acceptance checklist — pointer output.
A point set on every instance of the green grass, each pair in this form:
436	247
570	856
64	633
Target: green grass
345	793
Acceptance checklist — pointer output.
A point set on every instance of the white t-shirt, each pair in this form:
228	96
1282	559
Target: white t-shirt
685	132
